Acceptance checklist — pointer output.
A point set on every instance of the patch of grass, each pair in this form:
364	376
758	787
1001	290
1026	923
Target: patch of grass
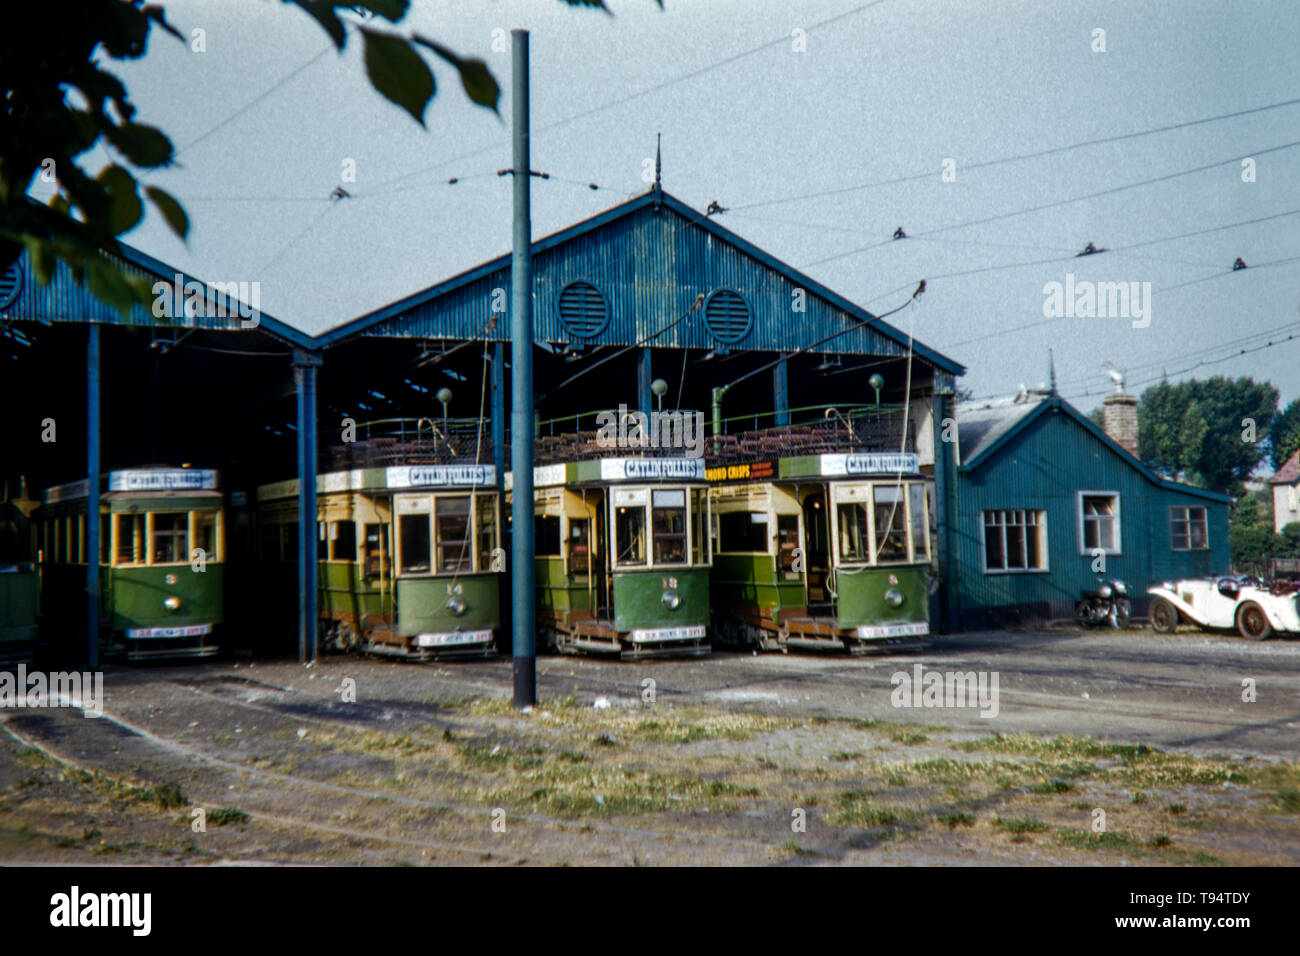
223	816
1287	800
856	809
1176	808
1139	797
957	819
1055	785
792	848
1020	825
896	780
846	755
1160	840
909	737
1086	840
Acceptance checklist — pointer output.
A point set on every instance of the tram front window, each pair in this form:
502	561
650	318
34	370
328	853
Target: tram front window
920	526
891	524
170	532
629	534
668	525
205	534
699	521
415	543
452	521
852	519
487	531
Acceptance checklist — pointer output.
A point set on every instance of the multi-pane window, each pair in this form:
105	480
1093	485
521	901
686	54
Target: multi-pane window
1189	529
629	533
855	541
1015	540
668	525
1100	522
891	524
170	533
451	516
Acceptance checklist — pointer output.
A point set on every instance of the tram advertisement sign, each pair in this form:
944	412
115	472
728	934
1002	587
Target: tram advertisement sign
746	471
154	479
414	476
651	469
874	463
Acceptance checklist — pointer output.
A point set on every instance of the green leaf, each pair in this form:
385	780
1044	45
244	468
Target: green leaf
171	210
143	145
324	13
156	14
124	206
480	86
398	72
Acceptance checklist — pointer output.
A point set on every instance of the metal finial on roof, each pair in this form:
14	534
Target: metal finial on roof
659	178
1051	370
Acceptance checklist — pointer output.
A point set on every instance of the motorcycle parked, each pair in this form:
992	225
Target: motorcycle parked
1108	604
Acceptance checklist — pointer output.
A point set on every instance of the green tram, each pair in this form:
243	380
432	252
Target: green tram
161	560
19	582
409	557
821	551
622	556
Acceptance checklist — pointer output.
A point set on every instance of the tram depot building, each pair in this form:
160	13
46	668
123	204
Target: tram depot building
1004	522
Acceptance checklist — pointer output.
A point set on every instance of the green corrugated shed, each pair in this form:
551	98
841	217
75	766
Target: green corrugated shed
1039	454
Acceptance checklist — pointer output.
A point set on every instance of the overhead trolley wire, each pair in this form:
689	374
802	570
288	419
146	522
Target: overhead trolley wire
1022	156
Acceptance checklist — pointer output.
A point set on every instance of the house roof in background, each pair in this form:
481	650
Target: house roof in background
1289	473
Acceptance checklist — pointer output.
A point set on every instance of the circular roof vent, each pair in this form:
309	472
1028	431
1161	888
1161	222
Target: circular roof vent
726	315
11	283
583	309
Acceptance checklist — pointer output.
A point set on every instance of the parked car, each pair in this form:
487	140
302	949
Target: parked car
1257	610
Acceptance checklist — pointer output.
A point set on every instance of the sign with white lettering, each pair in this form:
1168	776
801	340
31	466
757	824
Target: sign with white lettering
454	476
869	463
160	479
652	469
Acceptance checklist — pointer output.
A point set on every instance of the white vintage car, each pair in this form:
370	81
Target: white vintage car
1257	611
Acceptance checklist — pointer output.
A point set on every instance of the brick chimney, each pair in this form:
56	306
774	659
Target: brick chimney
1119	419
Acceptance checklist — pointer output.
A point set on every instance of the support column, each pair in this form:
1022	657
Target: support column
522	569
498	380
305	364
92	497
643	379
781	393
945	501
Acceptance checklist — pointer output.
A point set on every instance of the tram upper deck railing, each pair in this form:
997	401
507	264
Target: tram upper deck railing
411	441
814	430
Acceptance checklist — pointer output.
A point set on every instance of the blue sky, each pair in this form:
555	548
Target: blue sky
265	119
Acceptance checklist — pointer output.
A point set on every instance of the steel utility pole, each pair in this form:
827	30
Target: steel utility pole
521	393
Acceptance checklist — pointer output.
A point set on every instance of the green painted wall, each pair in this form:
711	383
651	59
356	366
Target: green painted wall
19	598
860	595
138	594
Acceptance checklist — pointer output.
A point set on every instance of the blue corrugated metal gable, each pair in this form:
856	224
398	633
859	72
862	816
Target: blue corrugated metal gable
66	300
651	258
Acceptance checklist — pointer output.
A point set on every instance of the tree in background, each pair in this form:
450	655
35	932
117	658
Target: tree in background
1195	429
60	103
1284	434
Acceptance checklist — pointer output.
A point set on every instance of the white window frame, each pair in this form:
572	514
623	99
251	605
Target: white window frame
1189	508
1119	528
1046	548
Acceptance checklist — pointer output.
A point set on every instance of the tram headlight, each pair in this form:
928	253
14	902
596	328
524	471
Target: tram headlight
172	603
672	600
894	597
456	606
